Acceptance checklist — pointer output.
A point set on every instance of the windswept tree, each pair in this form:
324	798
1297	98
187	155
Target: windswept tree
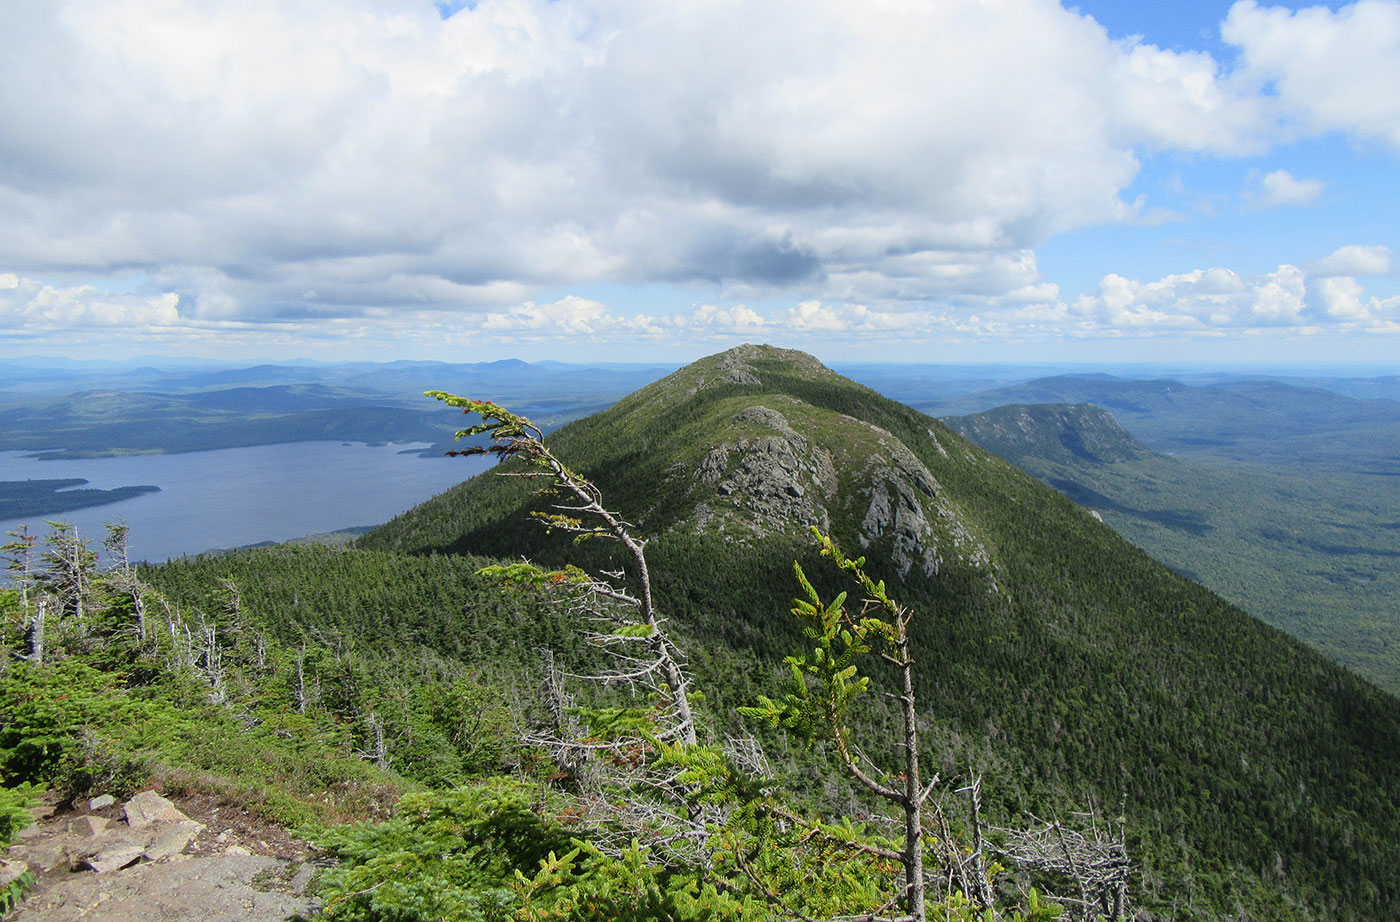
122	577
19	554
634	766
820	691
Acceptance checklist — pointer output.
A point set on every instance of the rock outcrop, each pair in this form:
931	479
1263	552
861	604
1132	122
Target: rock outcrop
147	861
780	478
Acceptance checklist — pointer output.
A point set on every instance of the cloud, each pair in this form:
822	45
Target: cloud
28	307
323	158
1354	260
1280	188
1326	70
1323	296
1213	301
333	166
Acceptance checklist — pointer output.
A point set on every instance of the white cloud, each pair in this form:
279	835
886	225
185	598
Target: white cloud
1325	296
1281	188
1218	300
1338	297
28	306
320	158
1278	298
1331	70
1354	260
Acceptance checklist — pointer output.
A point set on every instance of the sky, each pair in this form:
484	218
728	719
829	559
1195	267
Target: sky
628	180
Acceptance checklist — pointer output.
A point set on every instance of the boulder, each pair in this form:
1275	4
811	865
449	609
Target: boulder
172	838
114	857
149	807
89	827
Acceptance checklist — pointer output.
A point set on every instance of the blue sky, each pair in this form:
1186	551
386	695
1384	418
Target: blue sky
628	180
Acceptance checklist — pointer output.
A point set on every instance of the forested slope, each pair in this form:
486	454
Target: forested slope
1056	659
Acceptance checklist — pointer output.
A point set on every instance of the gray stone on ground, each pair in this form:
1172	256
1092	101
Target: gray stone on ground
192	890
113	856
150	807
103	800
172	838
94	869
88	827
10	870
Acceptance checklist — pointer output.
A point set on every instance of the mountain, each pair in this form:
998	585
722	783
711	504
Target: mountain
1070	433
1058	661
1249	419
1308	551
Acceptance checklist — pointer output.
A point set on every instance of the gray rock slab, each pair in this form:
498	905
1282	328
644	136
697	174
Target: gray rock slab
193	890
114	857
104	800
171	839
150	807
302	878
45	852
88	826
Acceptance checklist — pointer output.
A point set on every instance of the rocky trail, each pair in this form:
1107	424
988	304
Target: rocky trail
148	860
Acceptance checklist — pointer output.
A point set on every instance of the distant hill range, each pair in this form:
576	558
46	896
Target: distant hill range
1070	433
1313	552
1258	779
1250	420
96	412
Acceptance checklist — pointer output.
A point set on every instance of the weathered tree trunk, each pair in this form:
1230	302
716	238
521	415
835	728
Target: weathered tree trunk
36	632
301	679
913	787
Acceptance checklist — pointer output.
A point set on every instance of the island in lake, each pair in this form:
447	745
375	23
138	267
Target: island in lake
22	498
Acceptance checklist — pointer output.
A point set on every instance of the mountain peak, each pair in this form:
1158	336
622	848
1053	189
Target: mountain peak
744	365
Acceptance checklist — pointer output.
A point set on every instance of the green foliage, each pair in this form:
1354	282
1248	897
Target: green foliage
822	688
14	810
14	891
493	851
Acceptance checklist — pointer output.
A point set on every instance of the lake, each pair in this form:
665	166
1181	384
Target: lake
239	496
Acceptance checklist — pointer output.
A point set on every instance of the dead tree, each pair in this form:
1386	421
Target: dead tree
68	571
122	577
1097	865
19	554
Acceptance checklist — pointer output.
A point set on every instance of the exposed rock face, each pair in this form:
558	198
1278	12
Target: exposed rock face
734	370
906	505
898	491
781	477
